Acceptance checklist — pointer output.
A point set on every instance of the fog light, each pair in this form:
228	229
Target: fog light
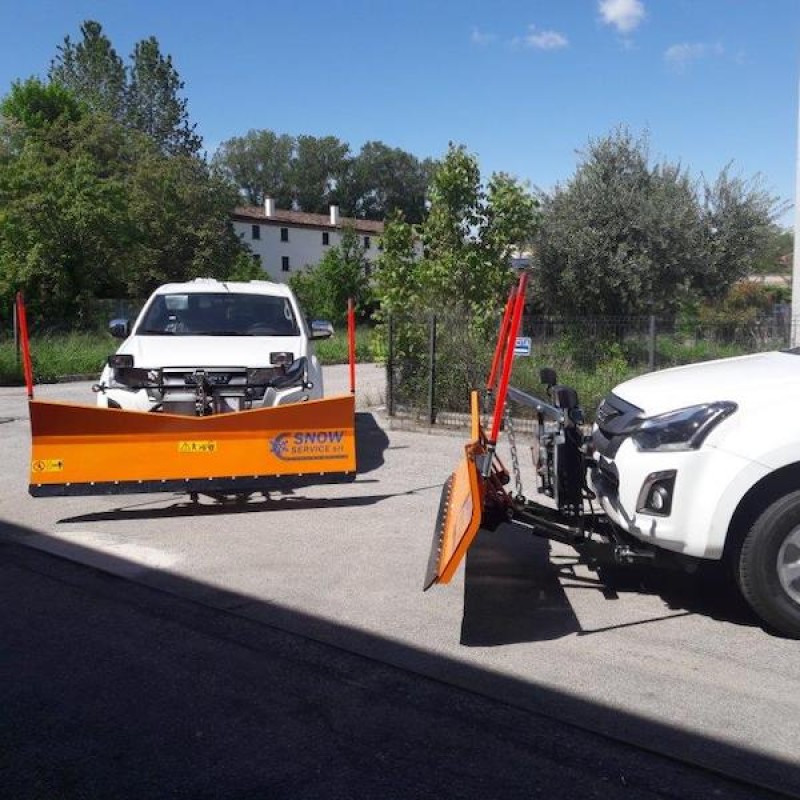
656	494
658	498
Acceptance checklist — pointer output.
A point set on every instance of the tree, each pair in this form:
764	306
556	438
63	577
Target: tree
91	208
153	104
342	273
738	218
63	225
318	168
625	237
33	105
383	179
180	212
621	237
260	163
92	71
469	234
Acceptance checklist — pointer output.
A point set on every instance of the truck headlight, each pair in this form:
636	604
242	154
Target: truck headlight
684	429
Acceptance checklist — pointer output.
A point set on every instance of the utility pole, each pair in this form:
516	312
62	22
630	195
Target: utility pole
795	323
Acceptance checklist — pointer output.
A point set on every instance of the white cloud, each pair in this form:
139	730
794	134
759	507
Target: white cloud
683	54
624	15
481	38
542	40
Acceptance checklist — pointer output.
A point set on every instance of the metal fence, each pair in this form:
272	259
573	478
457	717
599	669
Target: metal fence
434	361
94	318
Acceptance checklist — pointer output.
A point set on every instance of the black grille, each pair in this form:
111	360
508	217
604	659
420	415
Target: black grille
616	420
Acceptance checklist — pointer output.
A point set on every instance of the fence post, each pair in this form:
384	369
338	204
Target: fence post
651	344
390	367
432	371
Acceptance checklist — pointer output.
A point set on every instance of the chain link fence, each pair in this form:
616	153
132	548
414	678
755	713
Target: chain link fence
434	361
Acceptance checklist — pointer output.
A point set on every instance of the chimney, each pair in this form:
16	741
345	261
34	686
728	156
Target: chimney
334	215
269	207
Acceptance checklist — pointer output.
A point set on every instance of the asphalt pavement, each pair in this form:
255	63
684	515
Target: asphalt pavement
667	663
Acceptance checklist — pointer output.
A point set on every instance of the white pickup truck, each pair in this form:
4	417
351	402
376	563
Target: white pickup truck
704	461
207	346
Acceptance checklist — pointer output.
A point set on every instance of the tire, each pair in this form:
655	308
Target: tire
769	565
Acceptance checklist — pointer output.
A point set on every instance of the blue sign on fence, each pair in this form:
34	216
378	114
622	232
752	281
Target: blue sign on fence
522	346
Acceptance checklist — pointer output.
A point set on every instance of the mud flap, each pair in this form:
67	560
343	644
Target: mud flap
85	450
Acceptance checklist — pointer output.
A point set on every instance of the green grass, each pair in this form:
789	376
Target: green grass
57	357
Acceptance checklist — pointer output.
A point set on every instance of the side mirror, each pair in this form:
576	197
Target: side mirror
119	328
321	329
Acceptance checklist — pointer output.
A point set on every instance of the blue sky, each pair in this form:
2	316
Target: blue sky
523	85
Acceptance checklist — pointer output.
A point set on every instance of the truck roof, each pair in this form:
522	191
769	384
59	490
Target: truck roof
213	285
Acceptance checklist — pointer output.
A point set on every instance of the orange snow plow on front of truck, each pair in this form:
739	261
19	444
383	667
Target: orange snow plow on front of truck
88	450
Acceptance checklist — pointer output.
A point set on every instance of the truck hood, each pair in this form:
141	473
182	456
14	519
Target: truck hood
742	380
207	351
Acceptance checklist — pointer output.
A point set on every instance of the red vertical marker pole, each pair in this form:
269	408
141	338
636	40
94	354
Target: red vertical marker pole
351	342
508	362
27	366
501	340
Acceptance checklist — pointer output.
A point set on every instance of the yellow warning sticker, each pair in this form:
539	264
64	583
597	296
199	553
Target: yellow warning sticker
47	465
197	447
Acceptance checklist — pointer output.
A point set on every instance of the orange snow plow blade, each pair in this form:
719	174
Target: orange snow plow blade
85	450
460	509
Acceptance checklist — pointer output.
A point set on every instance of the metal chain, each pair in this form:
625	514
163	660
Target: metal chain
512	442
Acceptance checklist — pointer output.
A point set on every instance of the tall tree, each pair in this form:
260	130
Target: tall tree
92	70
153	100
260	163
468	236
738	219
320	163
383	179
624	236
63	226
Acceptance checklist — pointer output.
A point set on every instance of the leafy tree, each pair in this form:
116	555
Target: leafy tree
90	208
34	105
153	103
469	234
626	237
383	179
397	277
179	209
260	163
145	96
776	258
343	273
92	71
317	169
738	218
63	223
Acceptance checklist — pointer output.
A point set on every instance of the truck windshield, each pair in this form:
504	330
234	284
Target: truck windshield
218	314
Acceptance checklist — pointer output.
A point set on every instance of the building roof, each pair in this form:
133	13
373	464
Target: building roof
304	220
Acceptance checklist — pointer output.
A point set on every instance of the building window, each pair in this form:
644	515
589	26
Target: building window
285	263
284	234
256	231
366	242
257	259
326	238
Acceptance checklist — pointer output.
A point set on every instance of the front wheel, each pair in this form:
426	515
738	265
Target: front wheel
769	565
